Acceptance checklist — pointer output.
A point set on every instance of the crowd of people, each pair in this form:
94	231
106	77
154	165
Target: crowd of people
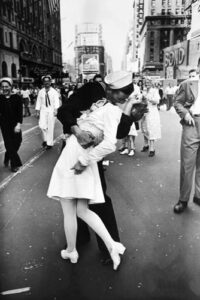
94	116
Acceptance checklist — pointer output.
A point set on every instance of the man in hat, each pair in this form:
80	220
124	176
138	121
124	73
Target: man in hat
11	115
119	87
46	108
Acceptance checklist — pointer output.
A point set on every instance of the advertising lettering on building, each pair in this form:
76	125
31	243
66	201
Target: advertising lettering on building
175	61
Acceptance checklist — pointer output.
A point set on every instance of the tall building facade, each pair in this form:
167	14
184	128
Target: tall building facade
30	39
165	22
184	56
89	50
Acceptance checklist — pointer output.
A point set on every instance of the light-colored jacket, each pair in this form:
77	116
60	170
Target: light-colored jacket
185	97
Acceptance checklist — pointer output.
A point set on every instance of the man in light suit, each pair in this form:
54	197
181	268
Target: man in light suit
187	105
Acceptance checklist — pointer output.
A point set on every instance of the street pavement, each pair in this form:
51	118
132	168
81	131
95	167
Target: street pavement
162	260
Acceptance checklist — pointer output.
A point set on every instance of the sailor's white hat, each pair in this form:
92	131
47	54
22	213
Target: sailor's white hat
7	79
46	76
118	79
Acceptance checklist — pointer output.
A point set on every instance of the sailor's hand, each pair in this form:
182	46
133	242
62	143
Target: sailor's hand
138	110
17	128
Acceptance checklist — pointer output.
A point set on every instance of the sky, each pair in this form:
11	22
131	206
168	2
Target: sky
114	15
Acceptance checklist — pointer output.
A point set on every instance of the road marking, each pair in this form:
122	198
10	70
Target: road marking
25	166
16	291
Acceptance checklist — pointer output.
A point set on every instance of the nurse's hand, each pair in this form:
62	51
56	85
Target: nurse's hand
78	168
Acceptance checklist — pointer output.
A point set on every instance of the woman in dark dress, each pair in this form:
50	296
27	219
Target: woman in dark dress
11	111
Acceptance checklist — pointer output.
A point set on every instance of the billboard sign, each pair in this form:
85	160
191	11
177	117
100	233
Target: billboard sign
89	39
90	63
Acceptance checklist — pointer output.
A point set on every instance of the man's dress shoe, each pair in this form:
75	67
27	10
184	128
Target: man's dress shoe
196	200
180	207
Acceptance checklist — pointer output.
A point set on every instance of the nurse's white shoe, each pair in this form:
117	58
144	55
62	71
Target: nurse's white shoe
115	252
72	256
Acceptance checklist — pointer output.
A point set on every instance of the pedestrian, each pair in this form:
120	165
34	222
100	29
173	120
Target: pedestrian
67	115
97	77
169	92
128	143
46	108
26	101
160	91
150	123
192	73
187	105
11	115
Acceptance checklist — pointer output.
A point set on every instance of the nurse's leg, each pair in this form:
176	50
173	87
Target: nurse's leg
70	222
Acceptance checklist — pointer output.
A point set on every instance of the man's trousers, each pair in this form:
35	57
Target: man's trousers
190	160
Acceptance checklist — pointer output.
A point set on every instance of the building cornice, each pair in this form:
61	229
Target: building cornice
164	17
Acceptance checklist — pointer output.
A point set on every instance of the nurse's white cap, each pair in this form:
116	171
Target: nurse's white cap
118	80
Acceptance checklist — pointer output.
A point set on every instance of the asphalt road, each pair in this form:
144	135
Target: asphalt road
162	260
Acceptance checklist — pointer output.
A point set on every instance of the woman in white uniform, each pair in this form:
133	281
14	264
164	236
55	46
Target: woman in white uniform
150	123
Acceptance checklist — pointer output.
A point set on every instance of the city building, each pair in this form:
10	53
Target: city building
165	23
30	39
184	56
138	18
89	50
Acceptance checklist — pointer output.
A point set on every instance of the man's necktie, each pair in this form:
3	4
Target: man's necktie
47	100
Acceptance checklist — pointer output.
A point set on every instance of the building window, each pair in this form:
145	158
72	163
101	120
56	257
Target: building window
152	35
164	39
4	69
11	39
163	11
1	36
151	43
161	56
153	11
169	2
6	36
4	9
163	2
151	57
177	11
13	70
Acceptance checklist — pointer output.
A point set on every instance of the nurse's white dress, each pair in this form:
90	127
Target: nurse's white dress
102	123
